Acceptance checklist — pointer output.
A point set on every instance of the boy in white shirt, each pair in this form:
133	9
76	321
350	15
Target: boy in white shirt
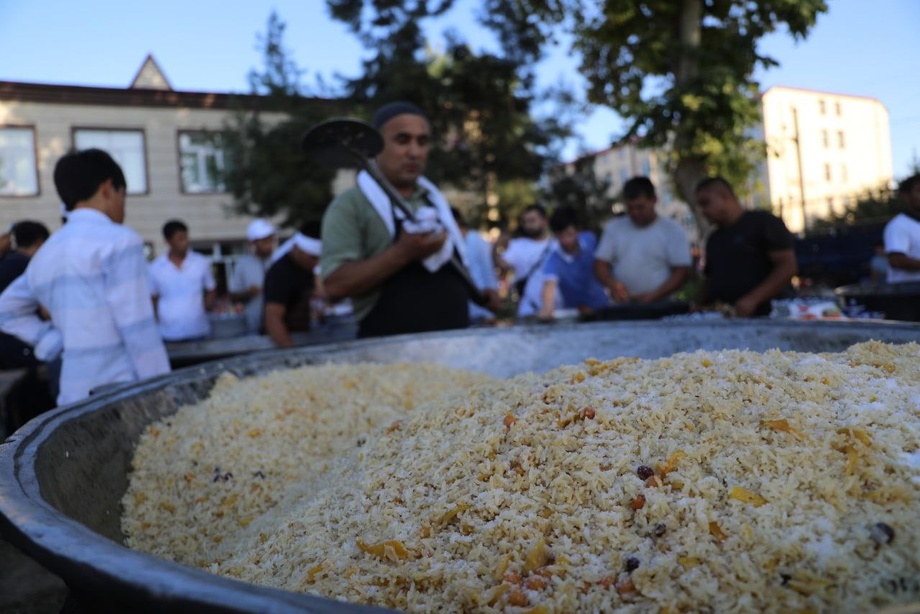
91	277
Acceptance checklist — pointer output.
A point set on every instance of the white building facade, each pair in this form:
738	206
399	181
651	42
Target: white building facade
823	151
167	142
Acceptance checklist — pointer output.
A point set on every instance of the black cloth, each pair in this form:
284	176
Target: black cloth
415	300
13	352
11	267
738	257
289	284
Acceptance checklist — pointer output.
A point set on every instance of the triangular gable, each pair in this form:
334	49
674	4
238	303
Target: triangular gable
150	77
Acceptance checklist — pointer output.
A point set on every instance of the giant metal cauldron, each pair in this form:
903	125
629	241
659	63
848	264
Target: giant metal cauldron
63	474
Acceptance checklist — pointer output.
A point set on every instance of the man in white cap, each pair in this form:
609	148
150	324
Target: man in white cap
289	289
249	272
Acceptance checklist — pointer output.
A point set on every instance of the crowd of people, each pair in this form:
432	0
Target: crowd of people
84	301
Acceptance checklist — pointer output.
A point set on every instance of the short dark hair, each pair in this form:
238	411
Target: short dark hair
27	233
562	218
78	175
172	227
908	184
718	181
637	187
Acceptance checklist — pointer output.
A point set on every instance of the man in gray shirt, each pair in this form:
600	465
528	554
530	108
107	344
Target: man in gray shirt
249	272
642	257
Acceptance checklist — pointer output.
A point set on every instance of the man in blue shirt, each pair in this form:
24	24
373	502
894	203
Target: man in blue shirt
570	268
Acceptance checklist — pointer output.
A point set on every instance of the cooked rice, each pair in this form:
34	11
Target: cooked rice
204	473
773	482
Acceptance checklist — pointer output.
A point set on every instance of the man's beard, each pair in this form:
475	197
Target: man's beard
531	233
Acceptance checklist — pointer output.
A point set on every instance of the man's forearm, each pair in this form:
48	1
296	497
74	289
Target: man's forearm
603	274
774	283
275	328
19	317
360	276
548	296
903	262
673	283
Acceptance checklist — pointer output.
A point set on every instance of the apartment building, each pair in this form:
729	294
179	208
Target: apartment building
167	142
823	150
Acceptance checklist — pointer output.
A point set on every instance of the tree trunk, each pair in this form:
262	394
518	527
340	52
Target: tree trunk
688	171
689	31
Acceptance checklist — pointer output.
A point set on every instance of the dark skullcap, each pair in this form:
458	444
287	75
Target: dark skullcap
391	110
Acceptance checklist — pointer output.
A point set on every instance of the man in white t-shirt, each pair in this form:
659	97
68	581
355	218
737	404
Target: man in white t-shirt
525	256
249	272
902	235
182	287
642	257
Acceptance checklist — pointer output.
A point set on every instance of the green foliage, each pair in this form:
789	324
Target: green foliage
581	189
680	72
265	170
874	205
479	106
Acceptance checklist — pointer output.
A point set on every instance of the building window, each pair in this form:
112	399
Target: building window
843	173
827	172
125	146
841	140
201	162
18	166
822	109
839	108
825	139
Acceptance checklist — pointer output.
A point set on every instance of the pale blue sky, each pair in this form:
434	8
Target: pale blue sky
860	47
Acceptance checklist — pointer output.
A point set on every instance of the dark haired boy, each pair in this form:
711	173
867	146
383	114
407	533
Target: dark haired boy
570	268
91	277
28	237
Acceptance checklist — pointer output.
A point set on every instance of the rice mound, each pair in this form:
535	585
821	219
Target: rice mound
720	481
202	475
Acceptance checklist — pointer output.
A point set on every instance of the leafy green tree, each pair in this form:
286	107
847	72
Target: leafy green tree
581	189
874	205
265	170
679	71
480	107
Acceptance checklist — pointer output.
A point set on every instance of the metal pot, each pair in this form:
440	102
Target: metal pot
896	301
63	474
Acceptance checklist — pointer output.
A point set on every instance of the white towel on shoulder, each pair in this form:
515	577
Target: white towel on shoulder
427	219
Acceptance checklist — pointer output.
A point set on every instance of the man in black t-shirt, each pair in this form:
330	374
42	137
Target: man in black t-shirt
750	258
289	288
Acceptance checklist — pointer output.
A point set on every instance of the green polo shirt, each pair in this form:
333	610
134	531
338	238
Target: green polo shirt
353	230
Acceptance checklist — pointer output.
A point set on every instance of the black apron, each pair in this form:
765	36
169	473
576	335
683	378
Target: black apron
415	300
